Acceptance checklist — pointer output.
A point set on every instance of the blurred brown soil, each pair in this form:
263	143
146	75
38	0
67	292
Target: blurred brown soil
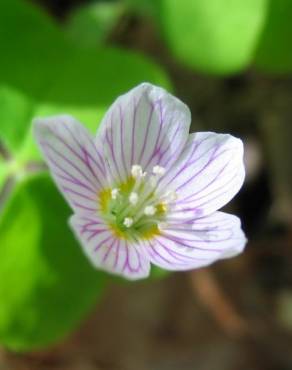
167	325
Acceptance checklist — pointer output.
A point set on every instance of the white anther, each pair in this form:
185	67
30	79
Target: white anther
158	170
133	198
128	221
114	193
149	211
136	171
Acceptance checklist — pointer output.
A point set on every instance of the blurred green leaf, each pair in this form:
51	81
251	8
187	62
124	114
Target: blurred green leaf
25	26
47	285
81	77
89	25
57	76
274	53
15	112
27	35
52	70
216	36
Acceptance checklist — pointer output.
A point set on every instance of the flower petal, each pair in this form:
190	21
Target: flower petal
147	126
209	173
198	243
74	160
107	251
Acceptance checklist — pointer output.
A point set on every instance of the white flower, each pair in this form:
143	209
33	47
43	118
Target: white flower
144	190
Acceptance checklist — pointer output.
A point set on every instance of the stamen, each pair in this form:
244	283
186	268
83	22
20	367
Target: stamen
140	206
133	198
128	221
114	193
138	175
149	211
153	181
158	170
137	171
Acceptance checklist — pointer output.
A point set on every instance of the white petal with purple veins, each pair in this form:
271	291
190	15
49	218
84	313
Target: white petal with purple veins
197	243
208	174
144	190
108	252
147	126
74	161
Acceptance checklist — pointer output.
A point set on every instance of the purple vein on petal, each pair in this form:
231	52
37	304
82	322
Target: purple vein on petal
82	159
122	139
127	263
86	227
69	190
101	243
226	185
72	164
147	132
217	196
186	165
181	242
71	179
135	107
117	254
110	166
196	147
92	233
189	155
165	161
81	206
156	146
212	158
208	185
107	252
127	256
111	144
184	242
156	252
172	253
86	153
74	181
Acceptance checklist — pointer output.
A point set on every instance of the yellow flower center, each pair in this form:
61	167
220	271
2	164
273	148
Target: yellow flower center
135	209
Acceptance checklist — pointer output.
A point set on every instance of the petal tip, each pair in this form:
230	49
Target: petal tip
52	120
44	124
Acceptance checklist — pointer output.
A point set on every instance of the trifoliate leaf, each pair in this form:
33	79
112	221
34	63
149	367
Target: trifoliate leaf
216	36
47	285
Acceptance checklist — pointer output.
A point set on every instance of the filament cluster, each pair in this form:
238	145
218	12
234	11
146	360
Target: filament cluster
137	208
